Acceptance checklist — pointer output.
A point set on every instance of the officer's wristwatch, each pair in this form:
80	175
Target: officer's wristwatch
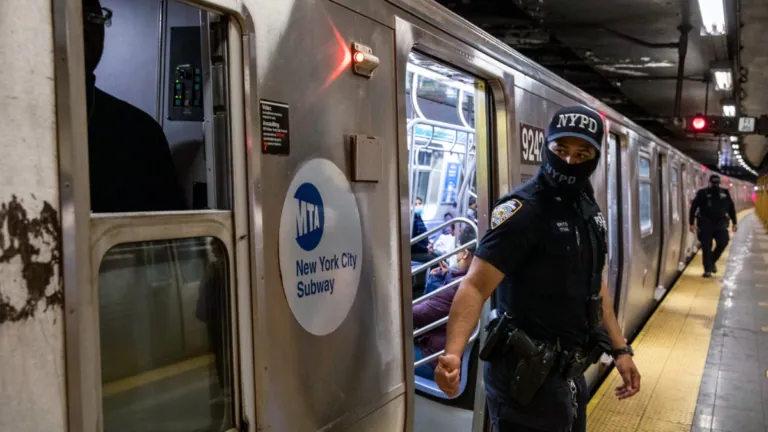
621	351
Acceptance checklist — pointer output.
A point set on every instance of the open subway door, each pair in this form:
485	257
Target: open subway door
451	107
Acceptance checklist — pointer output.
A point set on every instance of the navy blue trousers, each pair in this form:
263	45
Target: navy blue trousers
557	407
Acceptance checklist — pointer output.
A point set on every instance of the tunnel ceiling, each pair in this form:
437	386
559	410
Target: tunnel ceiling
625	53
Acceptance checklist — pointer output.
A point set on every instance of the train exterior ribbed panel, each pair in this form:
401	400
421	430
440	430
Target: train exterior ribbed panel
302	59
32	395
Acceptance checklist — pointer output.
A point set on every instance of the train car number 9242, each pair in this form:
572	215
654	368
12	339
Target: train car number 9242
531	140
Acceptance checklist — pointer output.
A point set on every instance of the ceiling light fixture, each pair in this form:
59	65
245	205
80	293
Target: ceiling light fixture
712	17
722	72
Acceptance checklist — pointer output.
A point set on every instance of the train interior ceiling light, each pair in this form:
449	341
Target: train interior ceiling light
441	78
712	17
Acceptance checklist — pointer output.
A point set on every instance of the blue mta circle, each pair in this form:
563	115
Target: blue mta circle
310	217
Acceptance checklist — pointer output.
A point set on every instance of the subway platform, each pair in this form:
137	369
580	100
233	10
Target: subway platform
703	355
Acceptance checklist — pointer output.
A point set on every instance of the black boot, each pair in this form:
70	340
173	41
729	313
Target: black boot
707	274
714	269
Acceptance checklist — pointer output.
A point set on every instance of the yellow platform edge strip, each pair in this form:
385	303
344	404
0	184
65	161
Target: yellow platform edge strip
154	375
671	352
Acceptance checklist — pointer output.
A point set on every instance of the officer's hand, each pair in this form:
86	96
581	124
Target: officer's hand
447	374
629	374
735	228
692	229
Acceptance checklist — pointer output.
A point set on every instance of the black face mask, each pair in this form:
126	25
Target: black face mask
714	185
565	176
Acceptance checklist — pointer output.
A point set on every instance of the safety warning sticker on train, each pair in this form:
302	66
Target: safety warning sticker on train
321	246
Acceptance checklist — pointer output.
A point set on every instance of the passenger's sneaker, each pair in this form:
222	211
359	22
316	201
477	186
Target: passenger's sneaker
707	274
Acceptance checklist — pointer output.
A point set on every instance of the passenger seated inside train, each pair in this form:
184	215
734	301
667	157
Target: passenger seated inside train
130	164
472	212
437	307
420	250
445	242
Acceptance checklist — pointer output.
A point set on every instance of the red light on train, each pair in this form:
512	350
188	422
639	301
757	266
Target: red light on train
699	123
359	57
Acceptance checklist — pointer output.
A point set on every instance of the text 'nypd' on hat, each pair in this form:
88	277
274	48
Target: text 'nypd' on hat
577	122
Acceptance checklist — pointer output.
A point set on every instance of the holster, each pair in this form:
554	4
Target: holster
495	342
530	373
532	361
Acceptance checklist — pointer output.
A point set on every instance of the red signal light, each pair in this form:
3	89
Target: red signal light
359	57
699	123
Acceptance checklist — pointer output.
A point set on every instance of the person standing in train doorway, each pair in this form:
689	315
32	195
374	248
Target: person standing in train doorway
712	207
545	251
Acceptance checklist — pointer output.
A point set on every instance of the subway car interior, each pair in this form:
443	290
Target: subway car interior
196	123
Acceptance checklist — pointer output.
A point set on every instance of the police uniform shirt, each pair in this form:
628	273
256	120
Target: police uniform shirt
713	206
541	243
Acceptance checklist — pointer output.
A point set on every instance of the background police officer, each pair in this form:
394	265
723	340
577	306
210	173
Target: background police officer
712	208
545	250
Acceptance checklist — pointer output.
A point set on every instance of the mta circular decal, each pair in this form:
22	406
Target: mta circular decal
310	218
320	246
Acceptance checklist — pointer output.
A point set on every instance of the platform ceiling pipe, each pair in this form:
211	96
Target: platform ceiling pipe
682	50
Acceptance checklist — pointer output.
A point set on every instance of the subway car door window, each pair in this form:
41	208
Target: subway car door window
443	107
162	215
644	196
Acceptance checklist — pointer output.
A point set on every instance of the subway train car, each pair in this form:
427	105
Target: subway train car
219	235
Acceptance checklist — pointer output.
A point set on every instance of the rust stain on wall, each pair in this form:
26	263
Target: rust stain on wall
19	237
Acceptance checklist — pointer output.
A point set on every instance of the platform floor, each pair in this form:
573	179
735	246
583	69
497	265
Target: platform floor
703	355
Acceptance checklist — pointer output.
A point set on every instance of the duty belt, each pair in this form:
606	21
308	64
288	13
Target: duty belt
568	363
504	337
573	363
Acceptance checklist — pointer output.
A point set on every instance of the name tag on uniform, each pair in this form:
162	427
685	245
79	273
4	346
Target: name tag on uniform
722	194
561	226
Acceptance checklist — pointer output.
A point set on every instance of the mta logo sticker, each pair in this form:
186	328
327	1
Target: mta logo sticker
310	218
504	211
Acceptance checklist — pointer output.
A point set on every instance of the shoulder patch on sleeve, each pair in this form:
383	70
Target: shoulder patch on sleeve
504	211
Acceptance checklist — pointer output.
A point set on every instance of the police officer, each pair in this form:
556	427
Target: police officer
545	251
712	207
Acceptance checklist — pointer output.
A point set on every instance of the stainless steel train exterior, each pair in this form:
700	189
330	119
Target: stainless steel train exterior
64	318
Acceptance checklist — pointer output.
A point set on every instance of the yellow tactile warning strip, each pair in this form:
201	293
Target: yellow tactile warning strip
670	352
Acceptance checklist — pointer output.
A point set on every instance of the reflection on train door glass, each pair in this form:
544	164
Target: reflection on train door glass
645	202
675	193
442	107
165	338
156	141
